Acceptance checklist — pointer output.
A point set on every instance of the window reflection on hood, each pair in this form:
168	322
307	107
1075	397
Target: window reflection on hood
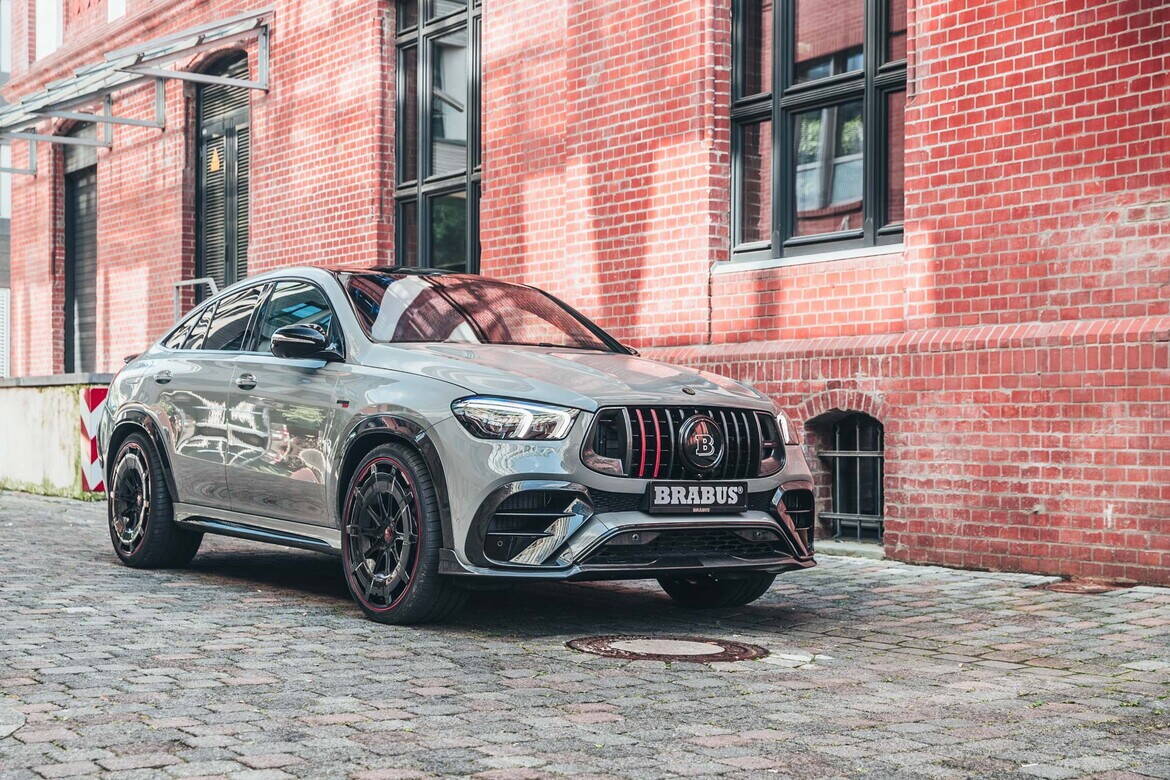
461	308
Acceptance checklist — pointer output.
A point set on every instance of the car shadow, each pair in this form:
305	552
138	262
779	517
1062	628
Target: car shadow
518	611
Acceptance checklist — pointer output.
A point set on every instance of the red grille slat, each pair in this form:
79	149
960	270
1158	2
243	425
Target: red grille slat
657	442
642	449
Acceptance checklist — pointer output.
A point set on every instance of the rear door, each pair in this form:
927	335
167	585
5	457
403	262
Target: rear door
282	413
195	383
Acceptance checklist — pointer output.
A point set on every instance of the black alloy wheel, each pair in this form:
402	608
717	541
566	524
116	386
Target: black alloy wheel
391	537
130	499
141	513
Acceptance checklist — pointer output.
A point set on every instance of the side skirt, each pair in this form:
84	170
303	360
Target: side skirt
261	529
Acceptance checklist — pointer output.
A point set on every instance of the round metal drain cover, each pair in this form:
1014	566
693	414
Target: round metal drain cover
644	647
1084	586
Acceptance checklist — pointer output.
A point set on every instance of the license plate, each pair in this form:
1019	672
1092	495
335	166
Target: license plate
696	497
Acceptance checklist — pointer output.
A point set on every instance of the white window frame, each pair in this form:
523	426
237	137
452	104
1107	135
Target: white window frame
50	21
115	9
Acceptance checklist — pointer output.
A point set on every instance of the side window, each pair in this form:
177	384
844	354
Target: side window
178	336
199	329
230	323
294	303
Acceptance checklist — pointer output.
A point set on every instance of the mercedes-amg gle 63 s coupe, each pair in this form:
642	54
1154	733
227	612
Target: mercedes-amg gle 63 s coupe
439	432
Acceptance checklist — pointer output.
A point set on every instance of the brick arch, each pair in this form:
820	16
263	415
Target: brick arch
841	400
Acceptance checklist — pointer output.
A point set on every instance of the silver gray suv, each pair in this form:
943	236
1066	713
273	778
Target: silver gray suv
439	431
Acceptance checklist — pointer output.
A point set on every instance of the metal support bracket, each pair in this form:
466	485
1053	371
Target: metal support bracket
66	140
107	116
146	68
31	171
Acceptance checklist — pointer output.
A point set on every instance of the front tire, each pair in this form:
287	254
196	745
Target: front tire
714	591
391	537
141	515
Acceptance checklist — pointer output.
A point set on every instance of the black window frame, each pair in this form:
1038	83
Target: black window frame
873	84
855	521
421	191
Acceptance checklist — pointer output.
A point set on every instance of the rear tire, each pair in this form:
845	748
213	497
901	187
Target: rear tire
714	591
390	540
141	514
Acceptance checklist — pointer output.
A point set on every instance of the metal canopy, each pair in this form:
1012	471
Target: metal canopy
95	84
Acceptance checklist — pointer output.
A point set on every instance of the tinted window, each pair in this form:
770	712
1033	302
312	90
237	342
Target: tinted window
464	308
176	337
294	303
230	323
199	328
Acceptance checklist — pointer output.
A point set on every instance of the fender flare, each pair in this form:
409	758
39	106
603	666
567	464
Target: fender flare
383	426
139	420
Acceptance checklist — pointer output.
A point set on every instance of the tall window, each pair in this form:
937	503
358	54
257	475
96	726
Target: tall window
224	175
818	96
81	253
50	26
855	460
438	148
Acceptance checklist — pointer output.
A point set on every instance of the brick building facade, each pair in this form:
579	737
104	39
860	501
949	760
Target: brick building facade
936	232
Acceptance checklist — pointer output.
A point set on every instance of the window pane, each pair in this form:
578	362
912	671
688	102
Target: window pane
755	185
199	329
407	13
829	37
755	47
827	192
293	303
895	156
896	43
408	233
445	7
846	476
408	115
449	231
230	322
449	103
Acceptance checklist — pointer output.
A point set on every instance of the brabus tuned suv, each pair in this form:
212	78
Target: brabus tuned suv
436	431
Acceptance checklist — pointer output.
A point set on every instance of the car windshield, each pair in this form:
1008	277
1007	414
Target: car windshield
461	308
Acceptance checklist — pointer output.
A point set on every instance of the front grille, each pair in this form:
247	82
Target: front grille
642	442
678	547
605	501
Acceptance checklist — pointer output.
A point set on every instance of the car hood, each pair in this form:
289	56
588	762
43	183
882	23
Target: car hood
571	377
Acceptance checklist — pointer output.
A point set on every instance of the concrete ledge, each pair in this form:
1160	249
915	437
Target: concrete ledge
56	380
849	549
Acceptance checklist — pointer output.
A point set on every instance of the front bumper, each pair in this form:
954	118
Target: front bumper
593	539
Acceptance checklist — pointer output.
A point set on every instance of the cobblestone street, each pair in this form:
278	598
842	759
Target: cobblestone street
254	663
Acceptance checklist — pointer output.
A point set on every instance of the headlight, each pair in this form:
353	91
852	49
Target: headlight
787	430
500	418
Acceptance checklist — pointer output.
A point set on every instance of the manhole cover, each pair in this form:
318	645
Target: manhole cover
1084	586
643	647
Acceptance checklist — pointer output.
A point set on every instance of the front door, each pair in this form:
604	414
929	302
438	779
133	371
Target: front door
282	412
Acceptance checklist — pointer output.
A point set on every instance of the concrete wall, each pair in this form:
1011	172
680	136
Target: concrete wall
41	444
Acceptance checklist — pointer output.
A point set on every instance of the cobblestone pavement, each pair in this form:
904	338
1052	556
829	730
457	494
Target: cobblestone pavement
254	663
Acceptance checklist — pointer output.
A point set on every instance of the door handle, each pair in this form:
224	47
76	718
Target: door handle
162	377
245	381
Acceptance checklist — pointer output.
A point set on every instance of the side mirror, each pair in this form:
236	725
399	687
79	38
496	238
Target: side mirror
301	341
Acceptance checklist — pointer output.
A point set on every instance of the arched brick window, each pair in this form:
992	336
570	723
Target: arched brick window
850	446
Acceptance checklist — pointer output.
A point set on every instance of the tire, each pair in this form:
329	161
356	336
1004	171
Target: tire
140	511
390	540
714	591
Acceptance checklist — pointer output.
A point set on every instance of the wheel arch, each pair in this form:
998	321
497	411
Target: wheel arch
384	429
138	421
